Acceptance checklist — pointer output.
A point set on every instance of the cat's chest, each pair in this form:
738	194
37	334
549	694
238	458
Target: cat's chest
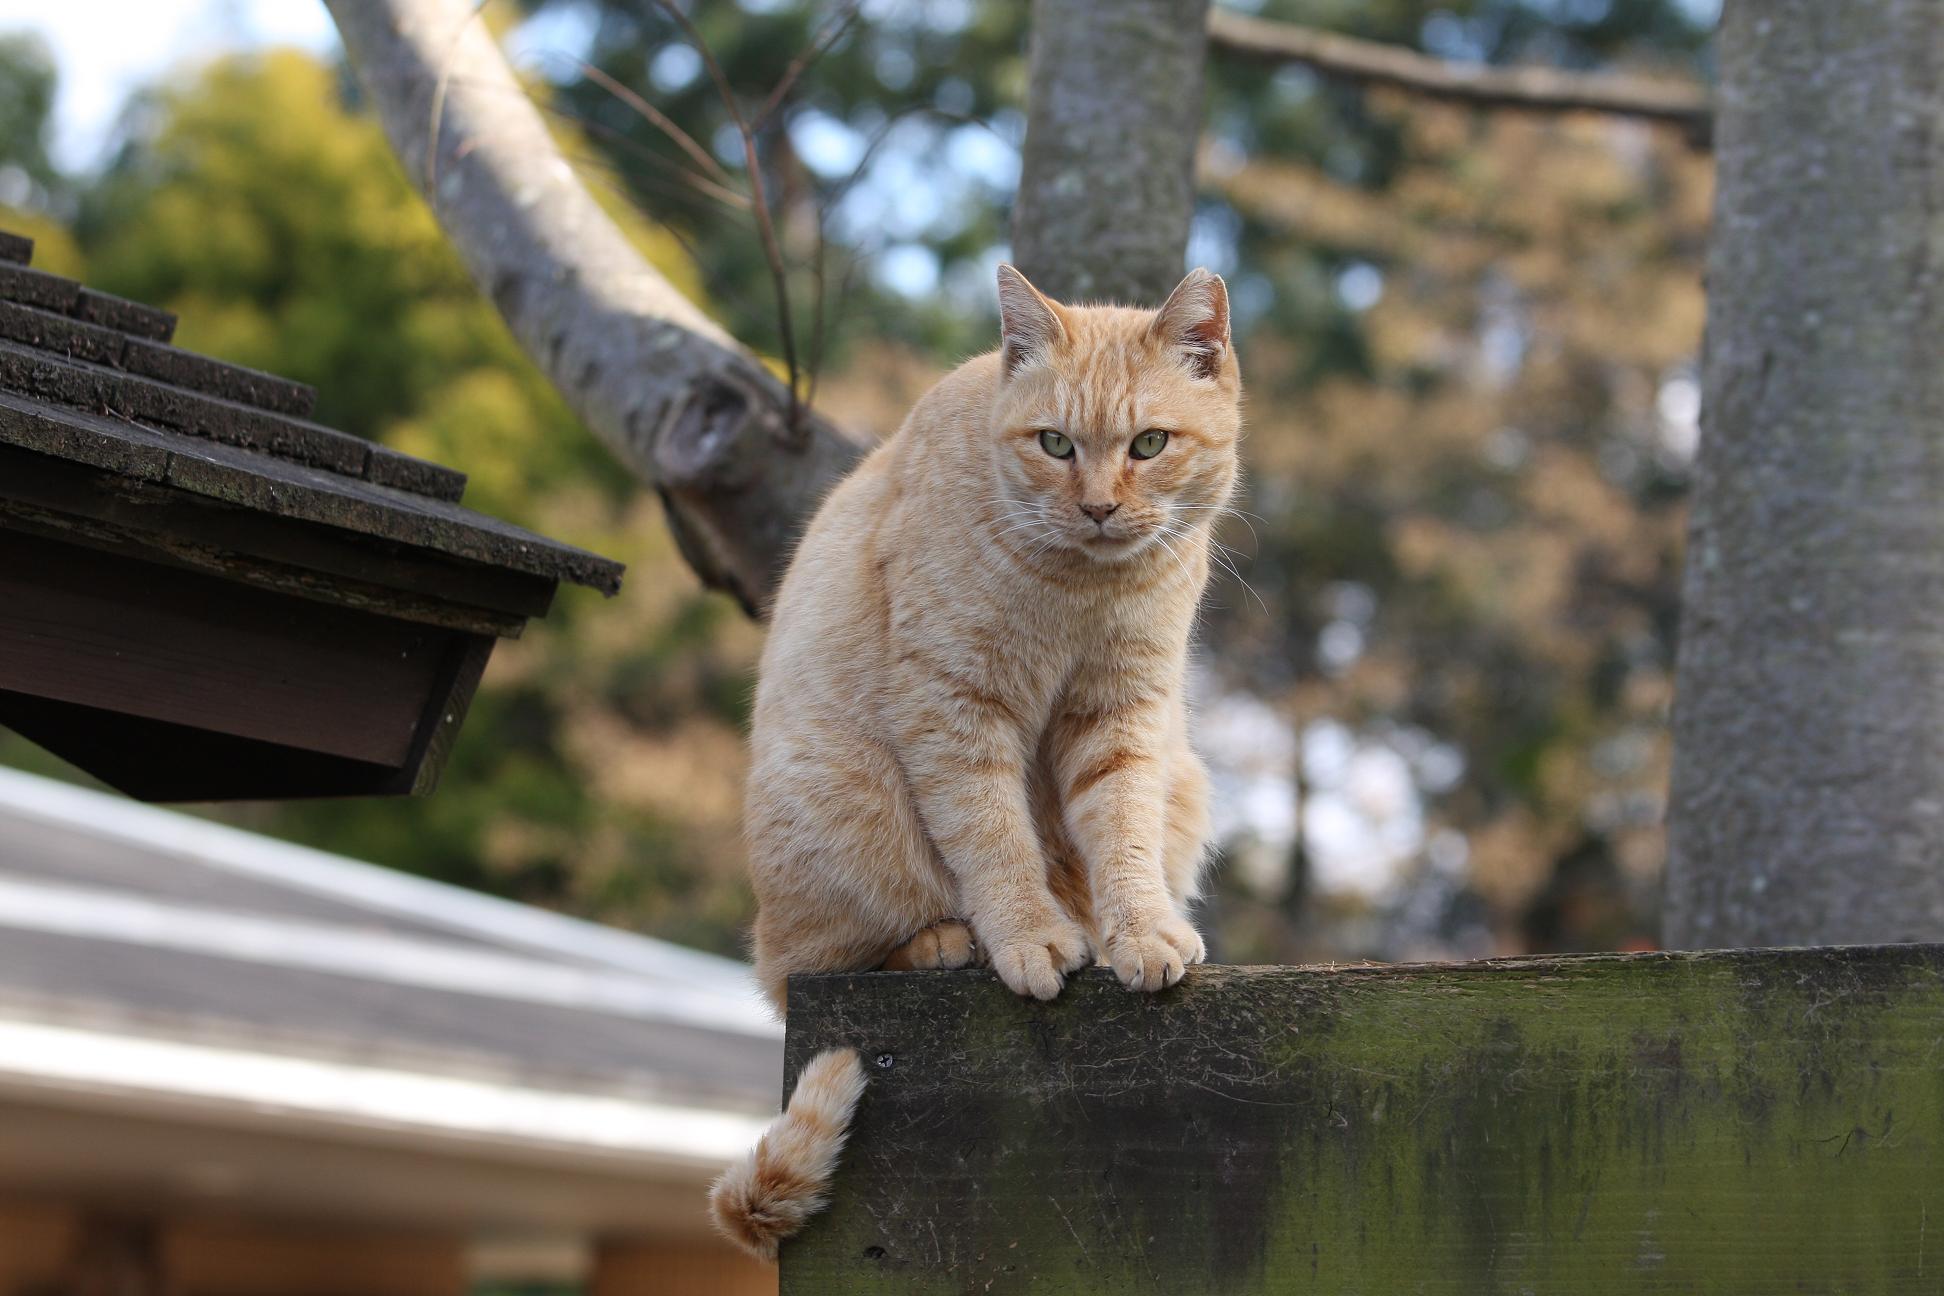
1033	640
1049	658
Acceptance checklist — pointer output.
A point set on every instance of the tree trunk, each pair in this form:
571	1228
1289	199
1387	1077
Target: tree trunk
1106	189
1808	788
690	411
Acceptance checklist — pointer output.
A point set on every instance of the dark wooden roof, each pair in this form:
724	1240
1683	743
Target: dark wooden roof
91	378
206	595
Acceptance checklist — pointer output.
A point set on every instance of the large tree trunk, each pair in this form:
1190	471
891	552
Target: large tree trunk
1808	791
1106	189
674	397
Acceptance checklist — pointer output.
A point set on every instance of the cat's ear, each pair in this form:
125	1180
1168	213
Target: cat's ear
1029	321
1195	318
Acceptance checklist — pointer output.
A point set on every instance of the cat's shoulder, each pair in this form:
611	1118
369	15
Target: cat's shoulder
961	398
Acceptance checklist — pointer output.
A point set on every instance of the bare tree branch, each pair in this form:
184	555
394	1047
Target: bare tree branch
1532	88
825	42
661	384
660	120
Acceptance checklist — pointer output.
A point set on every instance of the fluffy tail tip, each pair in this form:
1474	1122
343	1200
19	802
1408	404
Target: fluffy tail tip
769	1194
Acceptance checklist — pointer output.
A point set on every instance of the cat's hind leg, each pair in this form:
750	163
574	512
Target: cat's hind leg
841	866
946	944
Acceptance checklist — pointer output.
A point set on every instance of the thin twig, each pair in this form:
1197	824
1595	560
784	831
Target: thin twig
438	106
833	32
658	119
826	319
683	186
716	287
734	199
765	226
730	197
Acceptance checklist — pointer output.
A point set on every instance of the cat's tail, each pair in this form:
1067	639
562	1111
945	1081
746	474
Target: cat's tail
769	1194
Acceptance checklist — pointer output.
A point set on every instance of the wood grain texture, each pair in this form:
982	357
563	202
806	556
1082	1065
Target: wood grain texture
280	488
1745	1122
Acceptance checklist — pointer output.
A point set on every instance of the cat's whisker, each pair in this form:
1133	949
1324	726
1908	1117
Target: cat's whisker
1219	554
1161	537
1015	547
1053	538
1225	510
1022	525
1030	515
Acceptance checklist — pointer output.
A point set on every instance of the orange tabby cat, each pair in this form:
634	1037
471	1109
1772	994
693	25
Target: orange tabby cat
971	731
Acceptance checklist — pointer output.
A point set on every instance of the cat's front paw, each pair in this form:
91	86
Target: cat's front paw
1035	959
1153	956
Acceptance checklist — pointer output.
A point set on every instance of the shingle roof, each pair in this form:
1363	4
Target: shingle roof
91	379
207	595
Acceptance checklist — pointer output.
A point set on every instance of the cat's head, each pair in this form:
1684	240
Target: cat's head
1114	429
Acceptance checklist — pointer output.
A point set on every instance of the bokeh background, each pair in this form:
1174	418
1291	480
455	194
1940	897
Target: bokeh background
1434	688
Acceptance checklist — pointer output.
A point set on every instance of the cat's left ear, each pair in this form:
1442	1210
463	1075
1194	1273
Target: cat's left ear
1029	321
1195	318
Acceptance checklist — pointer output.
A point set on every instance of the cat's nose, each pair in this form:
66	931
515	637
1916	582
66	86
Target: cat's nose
1098	512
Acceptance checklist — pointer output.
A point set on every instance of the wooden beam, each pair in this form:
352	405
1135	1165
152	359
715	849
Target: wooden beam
1743	1122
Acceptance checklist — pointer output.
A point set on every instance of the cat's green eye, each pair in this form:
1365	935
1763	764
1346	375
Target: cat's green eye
1056	444
1148	444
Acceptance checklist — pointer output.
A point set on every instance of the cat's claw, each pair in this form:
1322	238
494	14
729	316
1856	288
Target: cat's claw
1154	958
1036	961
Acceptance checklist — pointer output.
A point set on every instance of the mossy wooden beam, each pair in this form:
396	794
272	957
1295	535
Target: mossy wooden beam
1744	1122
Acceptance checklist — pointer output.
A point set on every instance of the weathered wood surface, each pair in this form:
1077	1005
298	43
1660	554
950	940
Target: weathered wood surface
1757	1121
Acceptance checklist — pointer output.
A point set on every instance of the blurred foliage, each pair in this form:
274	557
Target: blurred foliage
1468	339
27	81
